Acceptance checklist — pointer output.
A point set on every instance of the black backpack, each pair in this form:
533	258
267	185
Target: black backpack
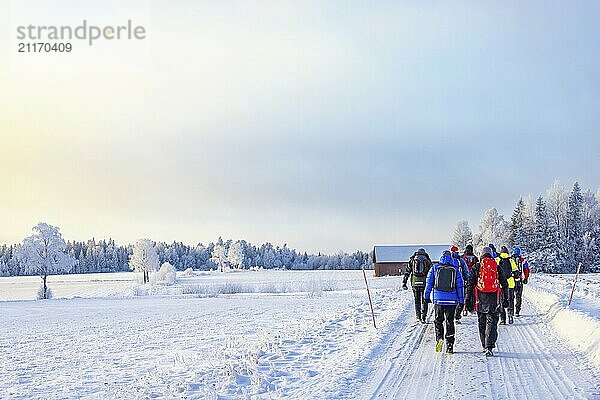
445	278
505	267
420	264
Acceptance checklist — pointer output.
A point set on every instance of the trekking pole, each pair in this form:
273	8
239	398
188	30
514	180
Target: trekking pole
574	283
369	294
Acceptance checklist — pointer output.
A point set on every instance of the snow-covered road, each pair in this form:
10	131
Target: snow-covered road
531	362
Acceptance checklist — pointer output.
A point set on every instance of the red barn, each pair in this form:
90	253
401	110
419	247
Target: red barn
393	260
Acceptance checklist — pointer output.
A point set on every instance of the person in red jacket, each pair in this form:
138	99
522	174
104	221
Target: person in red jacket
486	284
523	277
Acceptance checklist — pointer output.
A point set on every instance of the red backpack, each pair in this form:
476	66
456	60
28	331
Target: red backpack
487	281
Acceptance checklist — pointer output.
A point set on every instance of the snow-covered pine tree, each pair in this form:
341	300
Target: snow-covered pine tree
144	259
591	228
517	221
43	254
544	248
574	229
462	235
521	225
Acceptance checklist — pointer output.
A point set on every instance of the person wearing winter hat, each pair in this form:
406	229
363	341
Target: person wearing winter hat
510	270
521	278
464	270
446	282
418	267
493	249
470	259
485	286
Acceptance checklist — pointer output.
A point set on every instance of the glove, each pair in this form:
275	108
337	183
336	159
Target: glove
428	300
405	287
525	281
505	303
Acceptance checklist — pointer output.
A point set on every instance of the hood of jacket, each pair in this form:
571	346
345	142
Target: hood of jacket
446	258
421	252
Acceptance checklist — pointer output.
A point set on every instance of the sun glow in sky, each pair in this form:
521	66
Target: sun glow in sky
327	126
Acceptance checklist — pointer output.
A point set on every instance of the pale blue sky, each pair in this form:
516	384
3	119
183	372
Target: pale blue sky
324	126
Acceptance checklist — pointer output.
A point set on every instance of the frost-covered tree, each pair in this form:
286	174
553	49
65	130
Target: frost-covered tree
557	199
43	254
517	222
591	229
492	229
574	227
462	235
544	251
236	255
219	256
521	225
144	259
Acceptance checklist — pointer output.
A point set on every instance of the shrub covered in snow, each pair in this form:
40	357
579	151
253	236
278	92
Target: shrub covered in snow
166	275
188	272
40	293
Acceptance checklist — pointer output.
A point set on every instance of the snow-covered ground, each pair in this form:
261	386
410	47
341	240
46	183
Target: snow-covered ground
281	334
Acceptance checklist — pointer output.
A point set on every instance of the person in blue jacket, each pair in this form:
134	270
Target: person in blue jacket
446	282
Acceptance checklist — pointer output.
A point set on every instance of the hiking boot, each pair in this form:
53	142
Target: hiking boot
502	322
488	353
511	320
438	345
518	314
458	321
450	348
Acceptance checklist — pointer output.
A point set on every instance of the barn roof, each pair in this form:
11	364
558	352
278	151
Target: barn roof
390	254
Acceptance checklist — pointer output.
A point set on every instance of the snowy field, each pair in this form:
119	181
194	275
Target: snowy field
283	334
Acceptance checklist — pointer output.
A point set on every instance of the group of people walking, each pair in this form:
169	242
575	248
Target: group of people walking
459	284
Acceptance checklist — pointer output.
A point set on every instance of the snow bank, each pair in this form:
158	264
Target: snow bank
577	325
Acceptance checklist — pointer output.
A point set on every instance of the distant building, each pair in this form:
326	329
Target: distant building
393	260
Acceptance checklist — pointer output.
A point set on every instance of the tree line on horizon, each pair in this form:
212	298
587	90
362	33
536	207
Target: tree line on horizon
106	256
556	232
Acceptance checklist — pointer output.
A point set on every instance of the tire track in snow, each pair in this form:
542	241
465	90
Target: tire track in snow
530	362
399	347
530	346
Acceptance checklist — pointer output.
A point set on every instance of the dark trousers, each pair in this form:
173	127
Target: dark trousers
511	305
444	313
518	297
488	329
460	308
420	304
